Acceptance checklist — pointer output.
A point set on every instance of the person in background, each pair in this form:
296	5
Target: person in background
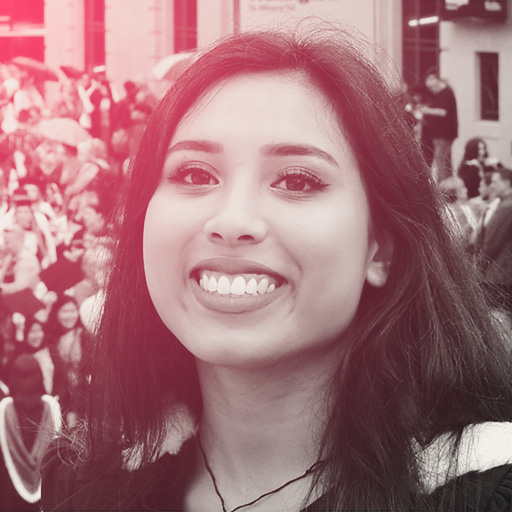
28	101
495	239
441	123
35	195
94	172
55	162
65	337
35	343
481	202
94	209
99	259
456	195
95	261
28	420
38	235
19	267
69	103
471	167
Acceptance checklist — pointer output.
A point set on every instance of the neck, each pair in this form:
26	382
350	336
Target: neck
265	422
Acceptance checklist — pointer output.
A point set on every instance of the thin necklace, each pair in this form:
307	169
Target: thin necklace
308	471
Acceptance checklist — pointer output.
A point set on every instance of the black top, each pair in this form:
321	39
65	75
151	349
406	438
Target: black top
445	127
85	488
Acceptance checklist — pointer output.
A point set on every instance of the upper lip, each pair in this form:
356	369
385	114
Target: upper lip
234	266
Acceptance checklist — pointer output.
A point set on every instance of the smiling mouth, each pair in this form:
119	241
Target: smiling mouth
236	285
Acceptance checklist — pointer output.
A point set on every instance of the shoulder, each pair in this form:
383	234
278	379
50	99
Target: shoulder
474	470
479	491
480	448
448	92
506	203
502	212
69	484
118	482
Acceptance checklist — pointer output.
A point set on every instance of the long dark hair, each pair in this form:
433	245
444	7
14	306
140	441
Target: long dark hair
471	149
423	355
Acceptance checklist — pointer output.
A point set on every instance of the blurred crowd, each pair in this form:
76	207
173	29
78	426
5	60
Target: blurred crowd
61	168
478	189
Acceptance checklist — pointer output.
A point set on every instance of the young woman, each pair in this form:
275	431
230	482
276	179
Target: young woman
35	343
471	167
289	324
65	334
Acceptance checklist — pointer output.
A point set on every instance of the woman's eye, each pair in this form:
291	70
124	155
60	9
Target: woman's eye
193	176
299	181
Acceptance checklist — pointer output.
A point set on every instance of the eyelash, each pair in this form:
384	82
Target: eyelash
178	176
311	180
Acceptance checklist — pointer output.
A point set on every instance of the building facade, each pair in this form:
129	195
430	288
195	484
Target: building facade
468	41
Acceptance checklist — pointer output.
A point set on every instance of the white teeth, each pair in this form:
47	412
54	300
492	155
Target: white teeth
262	286
212	284
238	286
223	286
252	287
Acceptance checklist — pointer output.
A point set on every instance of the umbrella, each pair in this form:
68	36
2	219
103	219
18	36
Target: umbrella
72	72
35	67
64	130
172	66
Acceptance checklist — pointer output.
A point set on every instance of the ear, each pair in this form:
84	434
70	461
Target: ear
379	260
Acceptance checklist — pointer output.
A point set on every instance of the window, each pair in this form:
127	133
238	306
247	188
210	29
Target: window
185	25
420	39
23	11
94	18
489	88
21	29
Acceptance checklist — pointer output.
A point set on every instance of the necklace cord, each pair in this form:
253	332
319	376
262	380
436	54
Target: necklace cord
308	471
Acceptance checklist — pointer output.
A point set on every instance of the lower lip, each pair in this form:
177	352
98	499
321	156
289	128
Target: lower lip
234	304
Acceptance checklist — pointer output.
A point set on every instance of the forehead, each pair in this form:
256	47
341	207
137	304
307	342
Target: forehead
270	105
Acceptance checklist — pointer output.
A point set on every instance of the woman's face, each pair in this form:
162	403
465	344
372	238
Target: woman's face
35	335
257	241
68	315
482	151
24	216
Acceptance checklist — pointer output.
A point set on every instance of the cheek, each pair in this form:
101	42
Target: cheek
332	252
166	231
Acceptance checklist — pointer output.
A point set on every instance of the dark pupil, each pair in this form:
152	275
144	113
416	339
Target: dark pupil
295	184
199	177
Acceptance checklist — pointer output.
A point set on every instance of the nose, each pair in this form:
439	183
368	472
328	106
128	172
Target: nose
237	221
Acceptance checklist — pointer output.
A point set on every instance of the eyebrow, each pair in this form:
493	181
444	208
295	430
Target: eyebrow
207	146
196	145
298	150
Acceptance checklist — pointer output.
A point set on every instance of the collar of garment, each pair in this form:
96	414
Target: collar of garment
482	446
